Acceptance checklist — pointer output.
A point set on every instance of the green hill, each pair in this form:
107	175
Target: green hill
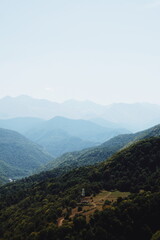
19	156
30	208
98	154
136	167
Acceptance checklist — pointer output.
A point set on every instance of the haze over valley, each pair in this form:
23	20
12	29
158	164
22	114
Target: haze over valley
134	117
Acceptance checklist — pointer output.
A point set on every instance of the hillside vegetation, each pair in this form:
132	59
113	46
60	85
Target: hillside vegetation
30	207
19	156
98	154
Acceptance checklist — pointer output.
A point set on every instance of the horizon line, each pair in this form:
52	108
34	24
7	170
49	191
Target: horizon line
75	100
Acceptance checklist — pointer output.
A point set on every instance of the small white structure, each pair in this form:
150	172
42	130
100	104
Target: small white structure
83	192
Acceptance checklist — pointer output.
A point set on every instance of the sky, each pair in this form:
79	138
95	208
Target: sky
104	51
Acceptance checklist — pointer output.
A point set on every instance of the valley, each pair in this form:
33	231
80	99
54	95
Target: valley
44	170
80	120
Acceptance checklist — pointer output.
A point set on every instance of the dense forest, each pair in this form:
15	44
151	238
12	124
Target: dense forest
30	208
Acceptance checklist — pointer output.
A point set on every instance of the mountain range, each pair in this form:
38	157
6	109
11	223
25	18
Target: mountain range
109	191
20	157
60	135
104	151
135	117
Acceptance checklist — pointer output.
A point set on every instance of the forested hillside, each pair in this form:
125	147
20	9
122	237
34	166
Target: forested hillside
19	157
30	207
98	154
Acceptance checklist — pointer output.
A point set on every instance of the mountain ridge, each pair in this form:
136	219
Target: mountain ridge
100	153
59	134
120	113
19	157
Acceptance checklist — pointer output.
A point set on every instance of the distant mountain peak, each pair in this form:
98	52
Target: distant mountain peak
134	116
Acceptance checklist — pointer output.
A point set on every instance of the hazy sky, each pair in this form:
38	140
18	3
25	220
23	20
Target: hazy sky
101	50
